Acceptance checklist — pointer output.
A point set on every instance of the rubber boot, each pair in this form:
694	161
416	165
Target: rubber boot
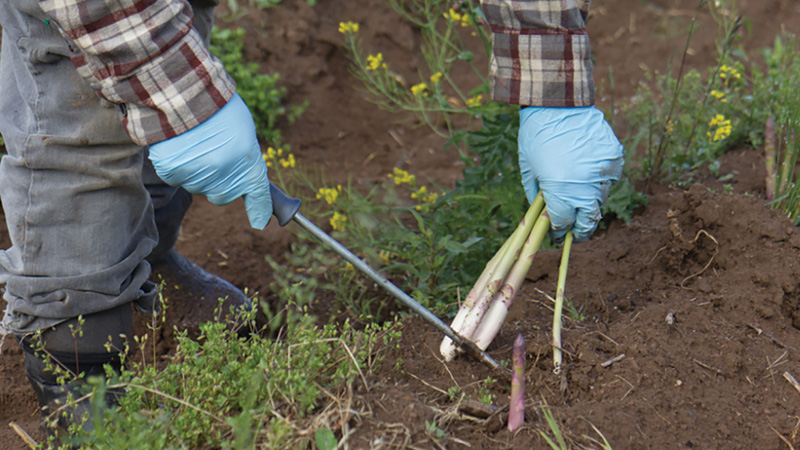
80	349
193	295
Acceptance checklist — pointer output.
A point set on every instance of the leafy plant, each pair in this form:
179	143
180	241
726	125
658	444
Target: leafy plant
448	30
623	200
776	87
671	133
224	391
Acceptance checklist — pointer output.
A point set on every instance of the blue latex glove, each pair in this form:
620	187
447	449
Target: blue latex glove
221	159
573	156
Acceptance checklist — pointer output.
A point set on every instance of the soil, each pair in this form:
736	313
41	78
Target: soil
691	314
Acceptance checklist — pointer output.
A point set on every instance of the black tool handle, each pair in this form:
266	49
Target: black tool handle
283	207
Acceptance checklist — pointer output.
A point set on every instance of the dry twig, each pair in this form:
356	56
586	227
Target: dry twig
23	435
792	380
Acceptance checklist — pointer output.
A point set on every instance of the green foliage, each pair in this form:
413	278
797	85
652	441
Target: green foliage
435	98
325	439
435	243
261	92
623	200
297	289
777	89
224	391
236	12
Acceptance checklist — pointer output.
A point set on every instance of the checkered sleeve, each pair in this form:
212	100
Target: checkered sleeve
145	56
540	52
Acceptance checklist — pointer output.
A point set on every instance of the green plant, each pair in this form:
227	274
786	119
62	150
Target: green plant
448	30
296	288
437	434
556	439
623	199
671	134
261	92
224	391
777	87
484	390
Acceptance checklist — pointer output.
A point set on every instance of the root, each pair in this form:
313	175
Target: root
710	260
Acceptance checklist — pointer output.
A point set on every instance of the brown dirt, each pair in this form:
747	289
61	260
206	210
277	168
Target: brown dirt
723	267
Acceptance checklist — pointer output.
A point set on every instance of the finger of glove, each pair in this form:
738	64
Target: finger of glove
586	221
259	206
573	206
529	183
562	214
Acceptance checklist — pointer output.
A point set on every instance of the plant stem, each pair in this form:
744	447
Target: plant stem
562	282
494	318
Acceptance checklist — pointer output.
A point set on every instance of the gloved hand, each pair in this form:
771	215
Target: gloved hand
572	155
221	159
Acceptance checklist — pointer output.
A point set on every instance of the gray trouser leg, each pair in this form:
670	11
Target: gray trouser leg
72	186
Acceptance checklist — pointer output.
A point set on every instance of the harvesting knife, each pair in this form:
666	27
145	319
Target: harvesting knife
286	209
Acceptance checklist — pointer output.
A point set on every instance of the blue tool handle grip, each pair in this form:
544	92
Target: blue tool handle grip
283	207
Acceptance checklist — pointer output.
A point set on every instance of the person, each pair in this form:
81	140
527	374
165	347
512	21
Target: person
541	60
114	113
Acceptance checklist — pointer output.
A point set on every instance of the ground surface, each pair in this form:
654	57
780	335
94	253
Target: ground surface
700	293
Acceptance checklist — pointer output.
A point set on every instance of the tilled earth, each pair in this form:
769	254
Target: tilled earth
696	302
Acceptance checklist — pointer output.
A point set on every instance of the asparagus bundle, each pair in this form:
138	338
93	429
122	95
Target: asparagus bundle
486	306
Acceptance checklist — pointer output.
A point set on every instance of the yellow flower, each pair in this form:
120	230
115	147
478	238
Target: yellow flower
273	156
375	62
420	194
452	15
348	27
288	161
717	94
423	196
669	127
384	256
330	194
726	73
435	78
400	176
418	89
338	221
474	101
716	120
723	128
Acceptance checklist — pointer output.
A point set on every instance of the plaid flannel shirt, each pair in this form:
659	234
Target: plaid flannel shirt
145	56
541	53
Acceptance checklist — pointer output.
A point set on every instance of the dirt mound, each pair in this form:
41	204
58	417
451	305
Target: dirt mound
689	322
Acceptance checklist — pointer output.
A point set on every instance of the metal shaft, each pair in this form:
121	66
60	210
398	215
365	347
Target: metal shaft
394	290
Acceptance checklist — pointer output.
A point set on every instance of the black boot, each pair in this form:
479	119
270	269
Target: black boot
194	295
83	354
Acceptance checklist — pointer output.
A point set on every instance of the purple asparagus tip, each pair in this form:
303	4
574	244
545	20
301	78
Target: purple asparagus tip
516	407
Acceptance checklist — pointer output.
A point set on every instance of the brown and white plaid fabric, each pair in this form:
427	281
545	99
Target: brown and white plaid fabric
541	53
144	55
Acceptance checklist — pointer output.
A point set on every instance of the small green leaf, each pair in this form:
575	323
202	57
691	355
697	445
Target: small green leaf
325	439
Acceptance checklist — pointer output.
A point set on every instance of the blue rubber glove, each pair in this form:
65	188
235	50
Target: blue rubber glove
573	156
221	159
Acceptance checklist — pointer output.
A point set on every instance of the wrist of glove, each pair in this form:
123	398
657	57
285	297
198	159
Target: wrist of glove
220	159
573	157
